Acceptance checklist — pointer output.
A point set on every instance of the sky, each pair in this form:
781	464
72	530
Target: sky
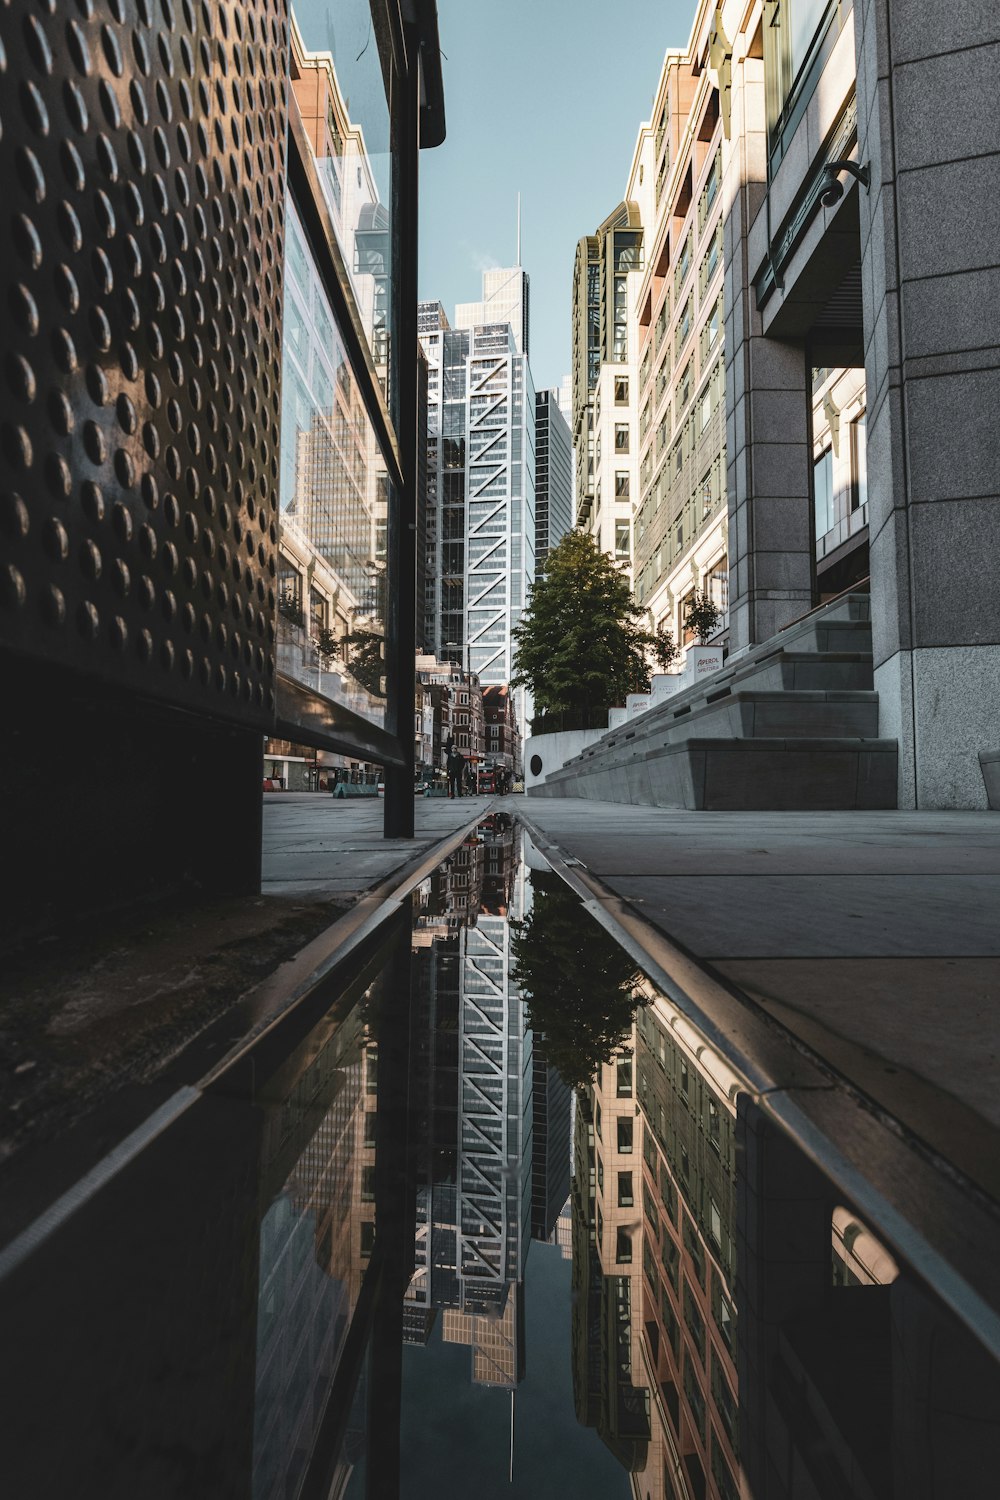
545	98
455	1436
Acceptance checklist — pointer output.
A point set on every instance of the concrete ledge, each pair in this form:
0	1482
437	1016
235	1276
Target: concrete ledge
730	774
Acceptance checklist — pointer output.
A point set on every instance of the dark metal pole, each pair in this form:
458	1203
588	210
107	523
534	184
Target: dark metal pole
400	643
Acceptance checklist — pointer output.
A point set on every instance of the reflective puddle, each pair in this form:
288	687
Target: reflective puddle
496	1221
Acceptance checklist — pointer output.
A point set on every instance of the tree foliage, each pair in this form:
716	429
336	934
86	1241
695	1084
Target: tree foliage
580	645
702	615
364	661
327	644
579	985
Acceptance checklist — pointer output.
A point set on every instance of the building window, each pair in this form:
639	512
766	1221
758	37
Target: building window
623	539
711	329
621	484
721	1472
713	1125
621	437
715	1224
724	1314
684	385
624	1135
823	492
693	1391
625	1197
859	462
683	264
793	32
623	1082
623	1248
694	1319
683	327
621	390
693	1246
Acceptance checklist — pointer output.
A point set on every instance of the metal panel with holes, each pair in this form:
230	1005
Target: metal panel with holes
142	161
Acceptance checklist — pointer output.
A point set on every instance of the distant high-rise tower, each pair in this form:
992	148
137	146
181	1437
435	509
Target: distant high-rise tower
606	280
553	475
505	299
480	549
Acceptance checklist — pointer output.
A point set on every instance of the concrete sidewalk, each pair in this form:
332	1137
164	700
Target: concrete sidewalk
873	938
317	845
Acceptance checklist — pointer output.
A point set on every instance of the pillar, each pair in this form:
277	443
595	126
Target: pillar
929	129
767	406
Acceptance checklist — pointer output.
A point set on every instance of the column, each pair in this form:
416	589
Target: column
929	129
767	405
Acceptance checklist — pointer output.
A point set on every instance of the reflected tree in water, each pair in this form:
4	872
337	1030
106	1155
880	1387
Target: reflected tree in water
578	984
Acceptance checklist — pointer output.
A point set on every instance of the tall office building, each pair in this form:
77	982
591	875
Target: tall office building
553	475
480	536
681	528
551	1107
606	279
505	299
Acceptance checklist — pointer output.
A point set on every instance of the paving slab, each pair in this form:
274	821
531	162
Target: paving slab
315	844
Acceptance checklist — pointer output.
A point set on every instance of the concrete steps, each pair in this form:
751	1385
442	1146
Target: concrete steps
793	724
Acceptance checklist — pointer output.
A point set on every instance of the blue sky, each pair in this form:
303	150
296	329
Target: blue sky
544	97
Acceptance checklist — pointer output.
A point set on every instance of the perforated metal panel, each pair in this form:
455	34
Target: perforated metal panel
142	170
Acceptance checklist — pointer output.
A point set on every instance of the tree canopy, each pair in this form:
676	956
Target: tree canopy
365	662
580	646
578	984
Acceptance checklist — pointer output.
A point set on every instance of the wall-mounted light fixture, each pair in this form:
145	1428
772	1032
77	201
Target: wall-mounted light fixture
832	189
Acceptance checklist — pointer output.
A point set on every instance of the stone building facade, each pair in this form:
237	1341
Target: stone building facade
860	234
681	529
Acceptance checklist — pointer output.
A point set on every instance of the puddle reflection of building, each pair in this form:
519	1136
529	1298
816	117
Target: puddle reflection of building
471	1075
686	1114
698	1254
316	1239
608	1383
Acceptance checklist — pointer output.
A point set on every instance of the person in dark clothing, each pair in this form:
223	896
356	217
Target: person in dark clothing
456	773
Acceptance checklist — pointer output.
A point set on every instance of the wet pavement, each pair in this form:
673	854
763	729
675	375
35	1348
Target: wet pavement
491	1215
319	845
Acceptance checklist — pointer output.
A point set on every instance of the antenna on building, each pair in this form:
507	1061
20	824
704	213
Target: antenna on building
517	258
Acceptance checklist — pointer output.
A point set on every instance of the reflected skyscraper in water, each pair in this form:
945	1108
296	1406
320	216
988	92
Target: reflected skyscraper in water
482	1184
472	1083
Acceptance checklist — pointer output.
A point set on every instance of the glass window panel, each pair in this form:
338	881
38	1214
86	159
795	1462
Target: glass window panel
341	96
823	492
859	460
334	499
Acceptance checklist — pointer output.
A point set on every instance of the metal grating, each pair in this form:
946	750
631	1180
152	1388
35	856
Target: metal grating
142	157
844	308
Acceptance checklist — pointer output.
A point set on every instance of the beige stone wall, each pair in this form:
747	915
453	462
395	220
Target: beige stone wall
682	490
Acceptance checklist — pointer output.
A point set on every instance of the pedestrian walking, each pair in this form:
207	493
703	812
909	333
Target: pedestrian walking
456	773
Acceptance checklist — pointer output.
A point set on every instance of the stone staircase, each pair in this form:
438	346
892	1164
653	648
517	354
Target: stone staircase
792	725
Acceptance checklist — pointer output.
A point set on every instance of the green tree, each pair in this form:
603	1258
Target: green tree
578	984
364	660
327	644
702	615
579	646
